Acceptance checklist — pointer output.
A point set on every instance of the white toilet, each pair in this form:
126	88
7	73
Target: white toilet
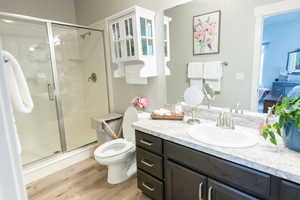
119	154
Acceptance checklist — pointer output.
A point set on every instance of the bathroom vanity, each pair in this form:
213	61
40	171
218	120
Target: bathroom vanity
173	166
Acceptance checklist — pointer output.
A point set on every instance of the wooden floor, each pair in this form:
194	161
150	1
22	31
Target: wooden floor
83	181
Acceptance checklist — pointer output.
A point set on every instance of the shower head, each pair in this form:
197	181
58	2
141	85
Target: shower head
84	35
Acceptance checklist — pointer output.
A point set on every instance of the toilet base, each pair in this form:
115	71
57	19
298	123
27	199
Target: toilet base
117	173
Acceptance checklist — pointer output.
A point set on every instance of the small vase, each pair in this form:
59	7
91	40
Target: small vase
291	137
139	109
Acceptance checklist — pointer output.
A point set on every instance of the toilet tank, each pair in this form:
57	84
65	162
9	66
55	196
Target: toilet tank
113	120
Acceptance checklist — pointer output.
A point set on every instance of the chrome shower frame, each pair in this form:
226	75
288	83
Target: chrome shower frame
54	70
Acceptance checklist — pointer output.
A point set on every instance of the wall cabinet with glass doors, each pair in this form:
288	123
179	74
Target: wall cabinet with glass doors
132	39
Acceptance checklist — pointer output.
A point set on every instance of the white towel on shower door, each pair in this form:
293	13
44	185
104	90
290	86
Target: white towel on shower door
18	88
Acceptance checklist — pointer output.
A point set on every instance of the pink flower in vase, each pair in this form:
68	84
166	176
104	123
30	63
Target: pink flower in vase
144	102
140	102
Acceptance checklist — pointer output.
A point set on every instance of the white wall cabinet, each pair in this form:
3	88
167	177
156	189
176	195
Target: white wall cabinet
132	38
167	21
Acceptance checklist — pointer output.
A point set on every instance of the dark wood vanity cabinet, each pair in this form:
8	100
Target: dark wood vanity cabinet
289	191
219	191
169	171
149	158
182	183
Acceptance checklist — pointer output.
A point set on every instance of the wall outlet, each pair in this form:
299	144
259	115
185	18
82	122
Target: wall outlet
240	76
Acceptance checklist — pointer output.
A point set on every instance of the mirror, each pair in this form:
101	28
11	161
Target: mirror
193	96
211	43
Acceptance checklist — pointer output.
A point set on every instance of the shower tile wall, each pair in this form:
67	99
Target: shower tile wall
78	56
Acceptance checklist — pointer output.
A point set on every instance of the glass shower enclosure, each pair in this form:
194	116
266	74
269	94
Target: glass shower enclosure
64	65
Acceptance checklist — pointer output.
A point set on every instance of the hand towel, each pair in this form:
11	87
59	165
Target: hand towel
213	70
195	70
196	82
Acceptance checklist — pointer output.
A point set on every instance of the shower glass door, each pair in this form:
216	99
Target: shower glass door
81	69
28	42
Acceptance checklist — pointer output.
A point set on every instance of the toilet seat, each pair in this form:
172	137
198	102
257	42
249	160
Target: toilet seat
113	148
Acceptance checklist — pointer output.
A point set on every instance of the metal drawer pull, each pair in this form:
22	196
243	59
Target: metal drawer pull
210	193
146	143
200	191
148	187
147	164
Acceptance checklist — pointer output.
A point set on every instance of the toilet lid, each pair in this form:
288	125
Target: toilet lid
130	116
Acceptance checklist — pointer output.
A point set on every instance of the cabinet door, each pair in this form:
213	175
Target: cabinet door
129	37
218	191
289	191
147	36
184	184
116	41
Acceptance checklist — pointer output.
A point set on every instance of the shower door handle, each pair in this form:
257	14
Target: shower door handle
50	92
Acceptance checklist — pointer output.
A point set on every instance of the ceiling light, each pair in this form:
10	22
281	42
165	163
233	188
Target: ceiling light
31	49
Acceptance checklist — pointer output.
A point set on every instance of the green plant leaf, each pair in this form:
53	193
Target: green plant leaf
288	111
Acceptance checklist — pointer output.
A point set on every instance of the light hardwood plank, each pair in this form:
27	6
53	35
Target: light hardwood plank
83	181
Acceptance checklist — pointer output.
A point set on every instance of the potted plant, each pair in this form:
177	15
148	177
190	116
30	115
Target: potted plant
140	103
287	125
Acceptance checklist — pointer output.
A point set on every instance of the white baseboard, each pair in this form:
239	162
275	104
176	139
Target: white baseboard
41	169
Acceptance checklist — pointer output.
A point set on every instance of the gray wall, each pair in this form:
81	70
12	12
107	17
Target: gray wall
237	43
60	10
90	11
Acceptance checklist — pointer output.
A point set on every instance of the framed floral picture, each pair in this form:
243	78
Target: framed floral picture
206	33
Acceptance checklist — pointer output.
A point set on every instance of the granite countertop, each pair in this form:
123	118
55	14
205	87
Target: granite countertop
265	157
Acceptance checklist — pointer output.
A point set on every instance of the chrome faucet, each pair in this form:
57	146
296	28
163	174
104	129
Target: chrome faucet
225	120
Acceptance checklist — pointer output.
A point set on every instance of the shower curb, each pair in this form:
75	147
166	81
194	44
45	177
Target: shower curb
48	166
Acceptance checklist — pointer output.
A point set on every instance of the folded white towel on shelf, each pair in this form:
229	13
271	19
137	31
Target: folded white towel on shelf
195	70
162	112
213	70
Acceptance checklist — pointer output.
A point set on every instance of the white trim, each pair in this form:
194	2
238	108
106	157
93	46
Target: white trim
36	171
260	13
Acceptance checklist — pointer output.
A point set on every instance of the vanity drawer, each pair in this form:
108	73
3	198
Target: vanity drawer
289	191
150	186
237	176
149	142
149	162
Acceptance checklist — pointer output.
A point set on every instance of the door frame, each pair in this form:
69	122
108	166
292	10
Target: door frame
261	13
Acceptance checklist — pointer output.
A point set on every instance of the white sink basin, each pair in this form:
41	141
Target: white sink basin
240	137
